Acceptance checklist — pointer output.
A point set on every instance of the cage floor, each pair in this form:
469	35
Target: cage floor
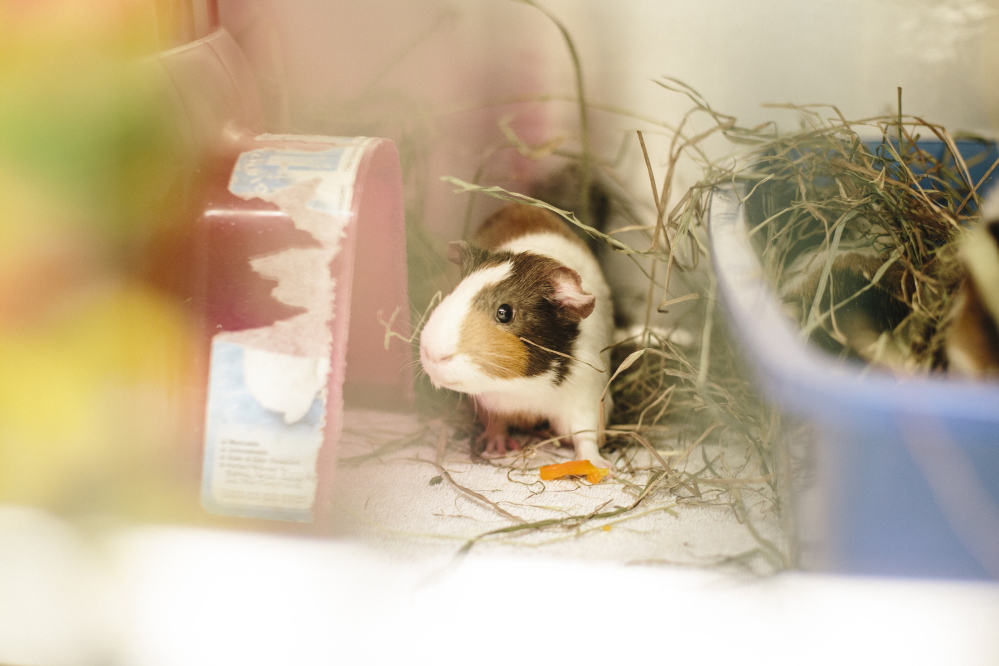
389	589
425	496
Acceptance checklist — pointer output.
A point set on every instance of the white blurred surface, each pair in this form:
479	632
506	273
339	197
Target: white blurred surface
174	596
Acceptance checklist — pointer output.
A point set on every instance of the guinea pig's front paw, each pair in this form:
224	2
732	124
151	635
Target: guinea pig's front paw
496	445
602	463
587	451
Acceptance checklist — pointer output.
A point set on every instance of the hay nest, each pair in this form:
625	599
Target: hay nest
859	224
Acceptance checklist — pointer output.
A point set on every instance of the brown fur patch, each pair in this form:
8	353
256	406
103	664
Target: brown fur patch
516	220
498	353
973	338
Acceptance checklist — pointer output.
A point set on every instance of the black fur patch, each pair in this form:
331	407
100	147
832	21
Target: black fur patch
529	290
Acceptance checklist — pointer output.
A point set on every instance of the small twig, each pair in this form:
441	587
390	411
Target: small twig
468	491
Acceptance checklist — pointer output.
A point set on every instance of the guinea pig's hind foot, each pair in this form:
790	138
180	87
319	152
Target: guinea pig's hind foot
497	444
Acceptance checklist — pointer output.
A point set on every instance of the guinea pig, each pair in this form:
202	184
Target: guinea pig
526	333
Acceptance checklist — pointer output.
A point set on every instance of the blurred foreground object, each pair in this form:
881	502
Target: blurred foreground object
92	358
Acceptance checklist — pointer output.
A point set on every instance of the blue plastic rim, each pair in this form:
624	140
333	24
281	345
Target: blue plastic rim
978	155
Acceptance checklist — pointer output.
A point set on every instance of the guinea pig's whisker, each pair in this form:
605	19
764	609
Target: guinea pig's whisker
572	358
420	370
416	329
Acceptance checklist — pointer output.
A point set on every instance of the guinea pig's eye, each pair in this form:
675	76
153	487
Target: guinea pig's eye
504	314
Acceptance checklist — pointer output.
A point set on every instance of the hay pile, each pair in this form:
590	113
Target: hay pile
859	226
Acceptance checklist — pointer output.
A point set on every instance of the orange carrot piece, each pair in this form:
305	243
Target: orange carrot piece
574	468
597	475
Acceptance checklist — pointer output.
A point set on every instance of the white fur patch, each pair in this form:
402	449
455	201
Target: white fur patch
439	339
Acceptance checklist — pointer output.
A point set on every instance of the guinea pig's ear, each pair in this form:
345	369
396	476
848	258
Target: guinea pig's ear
569	296
464	255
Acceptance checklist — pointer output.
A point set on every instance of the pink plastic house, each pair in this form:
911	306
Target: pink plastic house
294	264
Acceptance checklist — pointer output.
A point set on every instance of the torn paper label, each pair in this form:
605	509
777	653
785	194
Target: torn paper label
268	397
260	459
261	172
283	383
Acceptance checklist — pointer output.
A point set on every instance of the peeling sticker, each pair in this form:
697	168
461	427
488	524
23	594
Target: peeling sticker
267	398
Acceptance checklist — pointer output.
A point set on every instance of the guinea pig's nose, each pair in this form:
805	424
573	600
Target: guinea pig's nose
434	356
440	358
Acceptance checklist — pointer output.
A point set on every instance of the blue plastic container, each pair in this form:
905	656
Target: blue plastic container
907	469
